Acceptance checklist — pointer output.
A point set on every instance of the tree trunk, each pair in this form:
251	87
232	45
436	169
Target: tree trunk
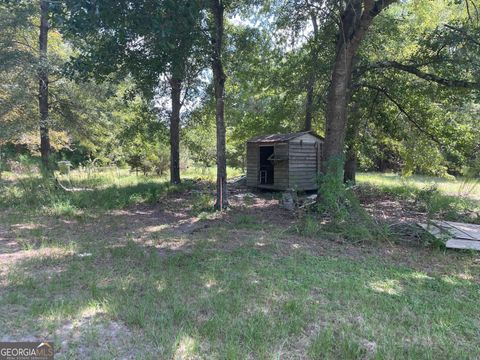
350	169
219	82
355	21
312	79
352	138
176	88
309	104
43	86
336	119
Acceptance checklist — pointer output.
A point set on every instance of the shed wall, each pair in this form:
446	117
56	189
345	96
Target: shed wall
298	169
304	163
281	167
252	164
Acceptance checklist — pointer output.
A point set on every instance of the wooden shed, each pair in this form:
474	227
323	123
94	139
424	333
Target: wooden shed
284	161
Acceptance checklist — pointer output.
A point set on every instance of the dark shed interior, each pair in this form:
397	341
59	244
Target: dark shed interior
284	161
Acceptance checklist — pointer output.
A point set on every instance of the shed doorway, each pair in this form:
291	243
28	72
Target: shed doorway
266	172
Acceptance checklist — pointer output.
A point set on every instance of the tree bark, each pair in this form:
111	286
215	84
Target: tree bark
176	88
43	86
355	21
219	78
309	107
309	104
350	168
336	116
352	138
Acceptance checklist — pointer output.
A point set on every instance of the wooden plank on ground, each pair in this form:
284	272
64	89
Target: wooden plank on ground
434	230
461	230
463	244
461	235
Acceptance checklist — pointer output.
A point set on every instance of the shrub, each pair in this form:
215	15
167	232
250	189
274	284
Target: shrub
342	211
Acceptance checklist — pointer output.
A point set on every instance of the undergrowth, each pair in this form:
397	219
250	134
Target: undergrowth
43	195
339	212
430	200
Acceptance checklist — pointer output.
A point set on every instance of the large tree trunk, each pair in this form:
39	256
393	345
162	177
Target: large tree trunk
43	86
355	21
336	116
219	82
176	88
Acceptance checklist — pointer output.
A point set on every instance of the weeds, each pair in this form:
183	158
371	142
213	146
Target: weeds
229	298
433	202
342	211
249	200
34	193
202	203
247	221
407	186
309	226
331	345
437	199
63	209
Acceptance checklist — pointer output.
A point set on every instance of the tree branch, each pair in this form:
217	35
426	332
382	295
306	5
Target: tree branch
380	5
427	76
464	33
403	111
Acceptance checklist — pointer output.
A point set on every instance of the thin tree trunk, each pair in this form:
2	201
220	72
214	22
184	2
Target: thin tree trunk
176	88
309	104
309	108
349	174
43	86
353	133
219	78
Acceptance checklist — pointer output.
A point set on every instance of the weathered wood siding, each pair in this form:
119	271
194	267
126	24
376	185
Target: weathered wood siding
297	163
253	157
281	167
304	162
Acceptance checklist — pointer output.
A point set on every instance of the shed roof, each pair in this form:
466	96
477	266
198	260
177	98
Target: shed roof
274	138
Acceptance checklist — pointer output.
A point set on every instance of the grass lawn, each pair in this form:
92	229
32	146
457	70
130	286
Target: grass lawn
136	268
454	187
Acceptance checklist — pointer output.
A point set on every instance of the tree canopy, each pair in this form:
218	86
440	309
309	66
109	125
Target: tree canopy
391	85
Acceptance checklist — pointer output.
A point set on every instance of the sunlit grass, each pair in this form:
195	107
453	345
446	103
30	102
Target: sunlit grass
249	303
455	187
268	294
209	173
96	188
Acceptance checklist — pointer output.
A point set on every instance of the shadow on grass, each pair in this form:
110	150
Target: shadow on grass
250	303
35	193
199	299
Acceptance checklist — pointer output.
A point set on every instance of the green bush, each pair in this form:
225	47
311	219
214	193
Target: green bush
341	210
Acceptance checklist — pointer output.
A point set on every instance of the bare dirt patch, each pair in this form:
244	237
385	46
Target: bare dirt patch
255	222
95	336
254	219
